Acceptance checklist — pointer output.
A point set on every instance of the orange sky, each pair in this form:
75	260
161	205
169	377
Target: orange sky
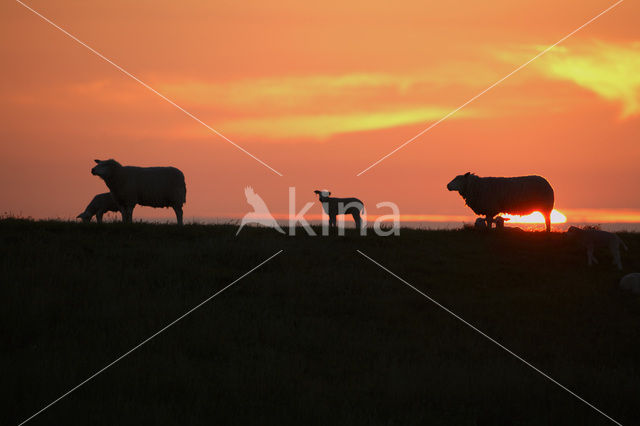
319	92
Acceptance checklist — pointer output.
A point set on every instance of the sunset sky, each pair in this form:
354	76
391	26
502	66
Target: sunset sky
319	91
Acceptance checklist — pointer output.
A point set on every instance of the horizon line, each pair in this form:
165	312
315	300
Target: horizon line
579	215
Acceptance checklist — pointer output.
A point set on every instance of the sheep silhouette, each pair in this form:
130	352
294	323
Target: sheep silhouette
260	214
340	206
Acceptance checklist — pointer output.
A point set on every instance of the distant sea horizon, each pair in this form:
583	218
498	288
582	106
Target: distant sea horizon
611	226
426	225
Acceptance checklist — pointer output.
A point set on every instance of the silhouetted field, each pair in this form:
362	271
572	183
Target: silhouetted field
319	335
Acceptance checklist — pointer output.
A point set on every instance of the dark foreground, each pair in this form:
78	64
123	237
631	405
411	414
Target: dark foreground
318	335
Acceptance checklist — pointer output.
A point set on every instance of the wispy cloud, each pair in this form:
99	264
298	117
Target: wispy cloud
286	91
319	106
611	70
325	125
337	91
310	107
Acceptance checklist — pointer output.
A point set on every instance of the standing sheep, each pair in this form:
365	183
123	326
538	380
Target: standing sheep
147	186
490	196
500	221
594	239
100	204
480	224
335	206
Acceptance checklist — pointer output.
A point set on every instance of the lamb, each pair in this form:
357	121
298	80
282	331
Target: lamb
147	186
519	195
499	220
593	239
335	206
100	204
480	224
631	282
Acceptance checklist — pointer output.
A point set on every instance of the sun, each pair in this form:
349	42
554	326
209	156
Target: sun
536	217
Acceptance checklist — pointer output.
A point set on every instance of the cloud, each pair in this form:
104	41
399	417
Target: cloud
286	91
611	70
324	126
310	107
285	107
327	93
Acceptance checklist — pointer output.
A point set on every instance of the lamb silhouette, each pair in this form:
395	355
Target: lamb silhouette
339	206
260	214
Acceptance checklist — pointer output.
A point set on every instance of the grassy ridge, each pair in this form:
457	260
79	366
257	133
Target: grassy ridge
317	335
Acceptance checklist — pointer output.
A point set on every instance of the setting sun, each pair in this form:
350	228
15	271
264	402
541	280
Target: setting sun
536	217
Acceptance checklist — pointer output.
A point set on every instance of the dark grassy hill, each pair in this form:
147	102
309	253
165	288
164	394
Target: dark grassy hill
318	335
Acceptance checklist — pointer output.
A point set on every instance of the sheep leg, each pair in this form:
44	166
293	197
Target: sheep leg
178	210
489	221
99	216
547	221
356	219
127	214
123	213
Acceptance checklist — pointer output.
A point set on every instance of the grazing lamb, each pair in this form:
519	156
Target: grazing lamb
147	186
336	206
631	282
593	239
100	204
480	224
499	220
489	196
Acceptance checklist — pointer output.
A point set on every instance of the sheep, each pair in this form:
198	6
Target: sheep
490	196
100	204
593	239
147	186
480	224
631	282
335	206
499	220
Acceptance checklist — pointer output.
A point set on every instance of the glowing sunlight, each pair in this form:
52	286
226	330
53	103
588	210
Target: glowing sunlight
536	217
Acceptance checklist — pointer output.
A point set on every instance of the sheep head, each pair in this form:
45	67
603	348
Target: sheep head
459	183
86	217
322	194
105	169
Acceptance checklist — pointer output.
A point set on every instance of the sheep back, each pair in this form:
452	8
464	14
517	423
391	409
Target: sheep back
103	202
149	186
519	195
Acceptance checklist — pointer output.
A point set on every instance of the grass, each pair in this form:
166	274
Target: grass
317	335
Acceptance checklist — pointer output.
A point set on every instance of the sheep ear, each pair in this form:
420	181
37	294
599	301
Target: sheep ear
97	161
467	174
